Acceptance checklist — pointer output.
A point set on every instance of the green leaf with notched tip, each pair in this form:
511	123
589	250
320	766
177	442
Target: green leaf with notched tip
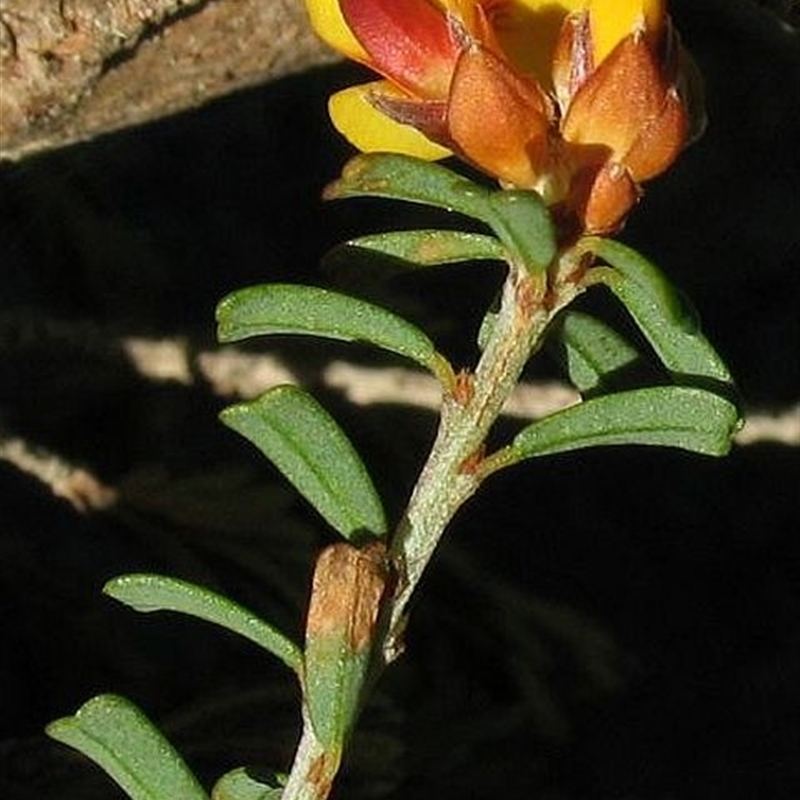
148	593
291	309
430	247
304	442
402	177
664	317
118	737
669	416
591	350
520	218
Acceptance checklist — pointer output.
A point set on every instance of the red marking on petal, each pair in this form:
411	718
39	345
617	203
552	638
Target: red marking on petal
573	59
427	116
408	42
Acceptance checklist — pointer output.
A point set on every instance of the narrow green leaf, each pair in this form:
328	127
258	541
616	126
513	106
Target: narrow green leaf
148	593
522	222
402	177
670	416
239	785
665	319
118	737
519	218
304	442
287	308
592	350
429	247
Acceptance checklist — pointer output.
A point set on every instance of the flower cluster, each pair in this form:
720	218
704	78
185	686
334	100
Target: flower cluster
580	100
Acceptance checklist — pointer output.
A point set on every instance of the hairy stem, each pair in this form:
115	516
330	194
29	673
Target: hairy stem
452	475
313	769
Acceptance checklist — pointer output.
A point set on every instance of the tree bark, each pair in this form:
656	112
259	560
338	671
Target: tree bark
71	70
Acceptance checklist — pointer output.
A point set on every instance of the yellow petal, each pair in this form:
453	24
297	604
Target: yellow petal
328	22
371	131
613	20
527	31
560	7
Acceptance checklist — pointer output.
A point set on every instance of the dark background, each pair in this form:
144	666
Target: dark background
621	623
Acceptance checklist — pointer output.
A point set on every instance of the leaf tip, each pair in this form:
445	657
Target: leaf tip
59	727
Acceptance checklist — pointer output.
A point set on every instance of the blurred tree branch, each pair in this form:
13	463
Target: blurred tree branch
71	70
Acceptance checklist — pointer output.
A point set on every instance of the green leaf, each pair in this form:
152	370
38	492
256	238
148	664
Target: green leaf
403	177
665	319
118	737
523	224
519	218
670	416
429	247
286	308
592	350
308	447
239	785
148	593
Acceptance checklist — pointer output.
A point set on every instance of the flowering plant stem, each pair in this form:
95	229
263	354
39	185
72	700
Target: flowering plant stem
362	586
313	770
454	470
570	163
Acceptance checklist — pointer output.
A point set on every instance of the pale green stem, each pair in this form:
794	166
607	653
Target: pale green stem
313	769
451	474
